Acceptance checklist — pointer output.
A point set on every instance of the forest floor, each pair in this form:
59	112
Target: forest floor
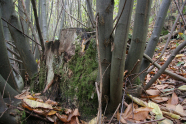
164	102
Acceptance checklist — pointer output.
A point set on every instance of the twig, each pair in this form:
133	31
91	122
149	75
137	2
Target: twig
11	51
6	83
75	18
114	113
89	17
16	60
180	12
19	31
99	116
26	117
37	25
119	17
150	121
50	13
9	42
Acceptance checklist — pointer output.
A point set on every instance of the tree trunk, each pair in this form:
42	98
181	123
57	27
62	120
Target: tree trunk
5	67
44	20
19	39
155	35
104	9
138	41
118	54
63	18
90	13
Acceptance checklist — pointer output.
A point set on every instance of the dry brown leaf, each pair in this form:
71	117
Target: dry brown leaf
52	112
139	116
51	102
22	95
120	117
173	100
180	110
63	118
39	111
163	86
153	92
74	113
159	99
26	106
52	118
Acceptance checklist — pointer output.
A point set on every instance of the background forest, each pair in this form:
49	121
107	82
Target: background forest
60	59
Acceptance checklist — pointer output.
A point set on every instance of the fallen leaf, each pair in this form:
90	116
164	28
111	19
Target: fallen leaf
179	55
93	121
52	112
39	111
159	99
172	115
155	107
138	101
183	88
63	118
51	102
180	110
153	92
35	104
163	86
120	118
173	100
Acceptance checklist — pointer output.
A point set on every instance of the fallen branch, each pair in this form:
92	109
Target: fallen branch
173	75
164	37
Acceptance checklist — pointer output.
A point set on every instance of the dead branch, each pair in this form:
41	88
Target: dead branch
37	25
11	51
173	75
16	60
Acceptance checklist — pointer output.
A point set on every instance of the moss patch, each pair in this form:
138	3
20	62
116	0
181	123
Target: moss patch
81	84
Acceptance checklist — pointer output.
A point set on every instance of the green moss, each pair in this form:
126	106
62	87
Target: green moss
84	68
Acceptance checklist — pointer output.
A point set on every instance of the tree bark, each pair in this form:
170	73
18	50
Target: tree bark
5	67
155	35
118	54
138	41
44	20
90	13
19	39
104	9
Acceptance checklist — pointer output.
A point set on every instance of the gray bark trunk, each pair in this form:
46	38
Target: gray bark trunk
105	26
20	41
155	35
118	54
90	13
63	18
138	41
44	20
5	67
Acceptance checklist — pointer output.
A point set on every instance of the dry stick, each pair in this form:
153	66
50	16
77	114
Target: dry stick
150	121
119	17
16	60
180	12
37	25
6	83
99	116
53	38
75	18
20	31
11	51
114	113
89	17
174	75
11	44
31	26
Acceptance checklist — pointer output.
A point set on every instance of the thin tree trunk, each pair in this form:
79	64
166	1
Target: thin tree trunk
5	67
90	13
118	54
155	35
44	20
105	26
138	41
19	39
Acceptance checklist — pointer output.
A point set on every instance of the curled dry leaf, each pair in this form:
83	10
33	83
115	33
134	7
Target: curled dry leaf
172	115
39	111
163	86
63	118
35	104
22	95
68	111
26	106
138	101
52	118
51	102
74	113
52	112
